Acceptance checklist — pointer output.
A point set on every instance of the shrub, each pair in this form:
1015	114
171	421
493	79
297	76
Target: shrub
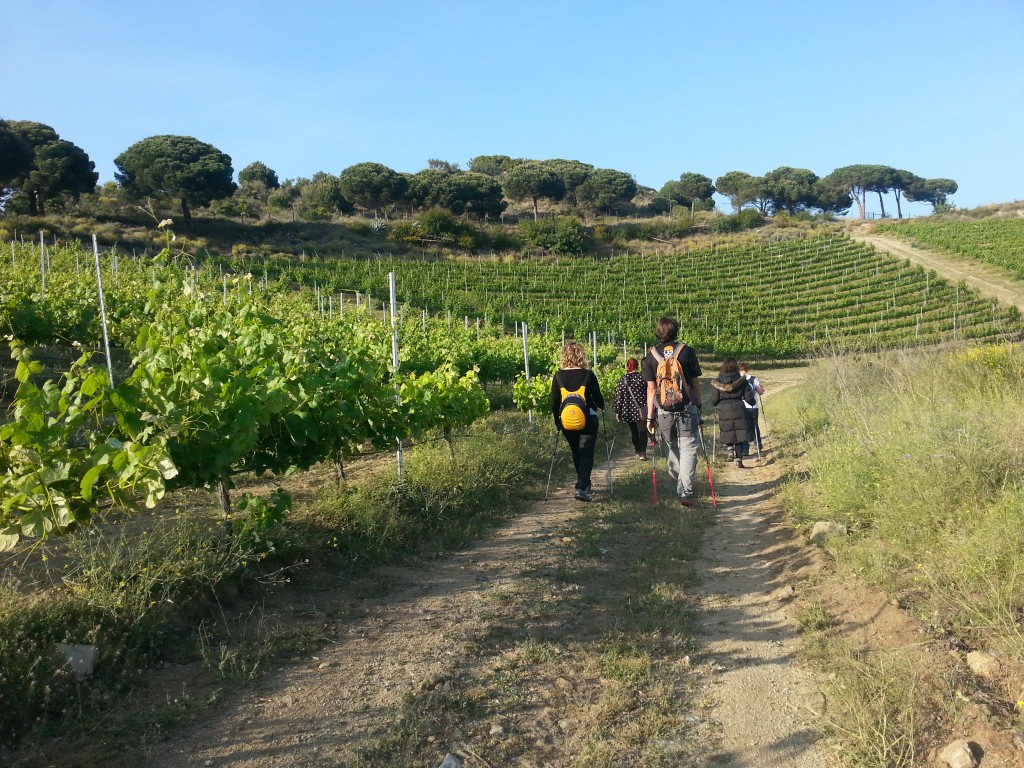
312	212
724	224
750	218
679	227
405	232
560	234
501	239
359	226
439	223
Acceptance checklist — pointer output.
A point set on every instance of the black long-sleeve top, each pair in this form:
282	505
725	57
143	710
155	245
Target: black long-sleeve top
572	379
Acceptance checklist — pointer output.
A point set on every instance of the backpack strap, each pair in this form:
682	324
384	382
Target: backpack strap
629	391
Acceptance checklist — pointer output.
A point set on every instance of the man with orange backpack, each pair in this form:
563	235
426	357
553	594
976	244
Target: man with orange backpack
671	371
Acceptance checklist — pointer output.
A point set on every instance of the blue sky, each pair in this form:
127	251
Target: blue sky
651	88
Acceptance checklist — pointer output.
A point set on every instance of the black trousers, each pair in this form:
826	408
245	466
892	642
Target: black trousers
755	414
638	434
583	444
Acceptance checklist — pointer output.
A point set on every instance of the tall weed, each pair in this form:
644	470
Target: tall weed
121	587
440	501
922	456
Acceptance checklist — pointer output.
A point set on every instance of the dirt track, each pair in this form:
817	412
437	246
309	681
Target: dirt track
988	280
425	631
730	647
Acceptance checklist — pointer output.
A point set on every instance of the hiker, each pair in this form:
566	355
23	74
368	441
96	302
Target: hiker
675	424
631	406
733	396
754	411
575	398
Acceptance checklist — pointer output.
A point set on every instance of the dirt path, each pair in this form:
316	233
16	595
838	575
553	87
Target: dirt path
763	699
520	622
988	280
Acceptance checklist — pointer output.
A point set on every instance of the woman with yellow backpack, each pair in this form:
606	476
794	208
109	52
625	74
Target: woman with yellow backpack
575	398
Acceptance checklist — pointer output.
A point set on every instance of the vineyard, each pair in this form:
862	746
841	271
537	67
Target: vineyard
778	300
270	366
219	383
994	241
131	378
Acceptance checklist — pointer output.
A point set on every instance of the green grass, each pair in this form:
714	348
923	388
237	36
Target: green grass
994	241
582	658
136	589
922	457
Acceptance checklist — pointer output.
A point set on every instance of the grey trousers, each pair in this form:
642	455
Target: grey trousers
677	434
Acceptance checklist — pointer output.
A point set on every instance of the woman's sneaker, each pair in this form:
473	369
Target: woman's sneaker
582	495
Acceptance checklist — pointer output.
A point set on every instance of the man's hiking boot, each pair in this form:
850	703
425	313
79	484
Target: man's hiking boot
739	464
582	495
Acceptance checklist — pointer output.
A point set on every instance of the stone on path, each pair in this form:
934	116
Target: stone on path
824	530
983	664
81	659
959	754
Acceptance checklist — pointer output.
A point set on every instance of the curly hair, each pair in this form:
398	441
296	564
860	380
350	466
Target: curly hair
573	355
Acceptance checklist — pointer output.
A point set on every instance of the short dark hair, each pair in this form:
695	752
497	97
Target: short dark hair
667	329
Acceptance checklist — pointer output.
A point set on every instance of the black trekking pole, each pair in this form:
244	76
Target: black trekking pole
608	453
764	434
654	465
767	426
757	435
554	448
707	461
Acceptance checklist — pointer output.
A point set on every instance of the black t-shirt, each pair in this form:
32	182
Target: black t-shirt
691	368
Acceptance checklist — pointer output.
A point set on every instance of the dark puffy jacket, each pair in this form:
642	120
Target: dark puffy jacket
729	391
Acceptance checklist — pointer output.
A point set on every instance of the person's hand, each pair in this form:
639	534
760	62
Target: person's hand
651	427
618	418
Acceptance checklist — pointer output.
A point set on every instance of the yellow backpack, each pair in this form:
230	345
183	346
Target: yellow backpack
572	414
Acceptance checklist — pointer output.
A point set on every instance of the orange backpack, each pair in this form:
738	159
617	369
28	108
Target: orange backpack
671	392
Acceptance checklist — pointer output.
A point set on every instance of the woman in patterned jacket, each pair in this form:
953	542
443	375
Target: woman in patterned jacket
631	406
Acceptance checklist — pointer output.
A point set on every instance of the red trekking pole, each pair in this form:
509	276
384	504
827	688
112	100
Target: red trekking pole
707	462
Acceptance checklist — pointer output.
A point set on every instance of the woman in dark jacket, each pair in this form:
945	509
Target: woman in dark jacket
729	392
573	375
631	406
